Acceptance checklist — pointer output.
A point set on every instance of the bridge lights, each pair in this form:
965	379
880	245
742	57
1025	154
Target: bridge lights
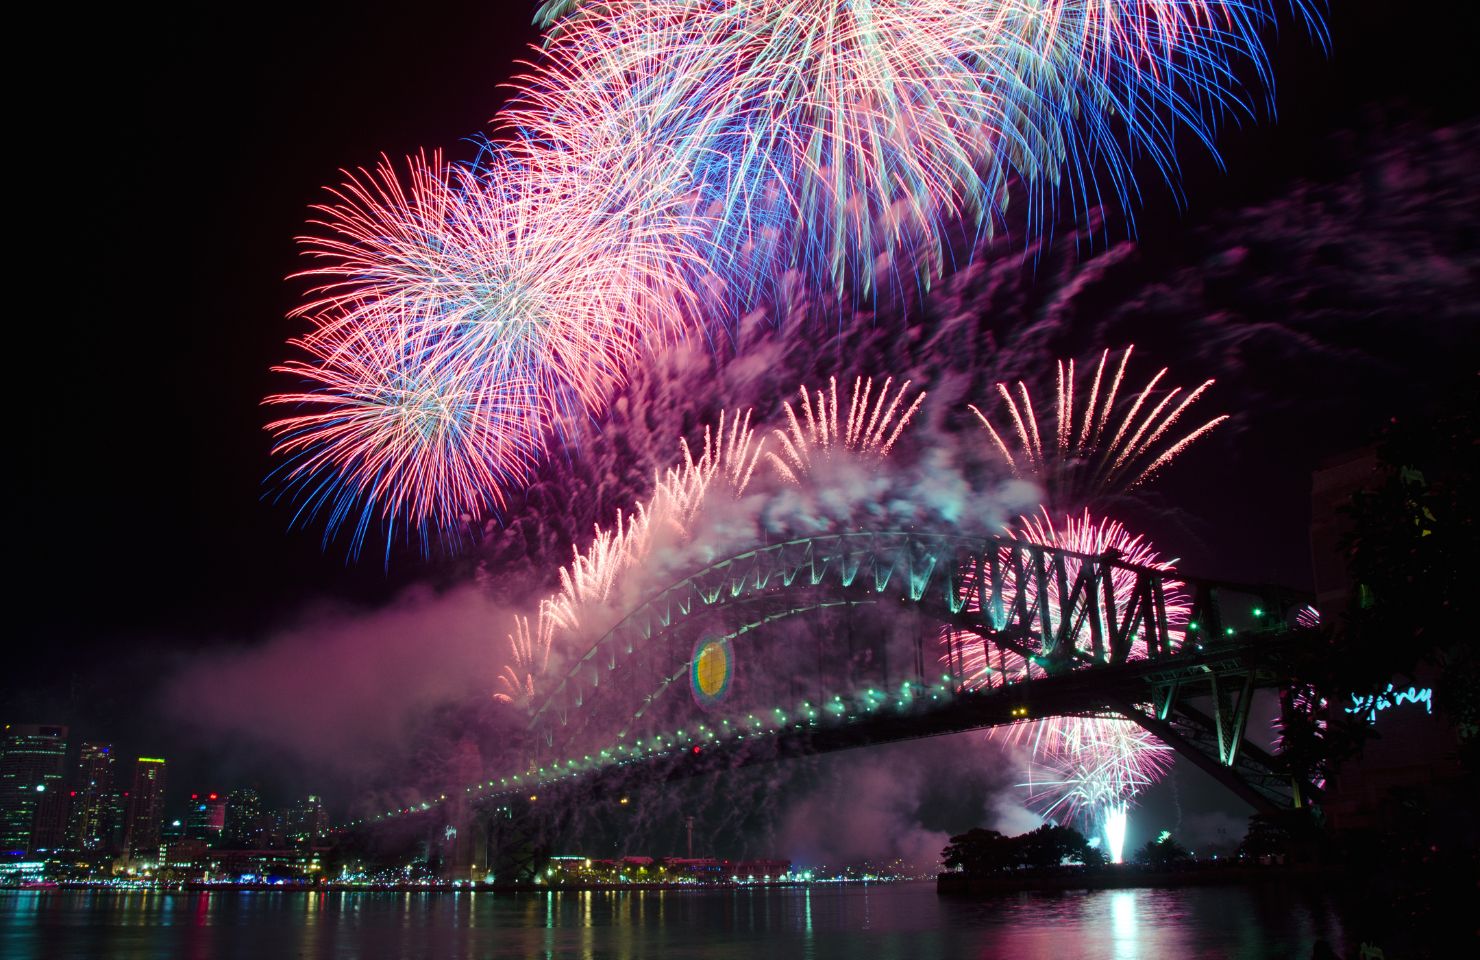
1228	631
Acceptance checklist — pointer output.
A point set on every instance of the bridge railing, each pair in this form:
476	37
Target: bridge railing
1039	610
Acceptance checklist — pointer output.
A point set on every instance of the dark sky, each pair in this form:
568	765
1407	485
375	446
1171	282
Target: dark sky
164	161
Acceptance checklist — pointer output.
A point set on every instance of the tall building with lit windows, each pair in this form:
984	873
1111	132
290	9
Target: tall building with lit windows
205	818
307	821
94	825
145	810
32	802
244	820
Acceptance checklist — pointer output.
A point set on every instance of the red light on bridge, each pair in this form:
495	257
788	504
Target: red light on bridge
698	750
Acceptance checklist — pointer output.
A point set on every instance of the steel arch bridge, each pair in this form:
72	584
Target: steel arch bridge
1032	632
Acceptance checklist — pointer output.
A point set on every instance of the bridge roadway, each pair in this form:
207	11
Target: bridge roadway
1119	691
1088	634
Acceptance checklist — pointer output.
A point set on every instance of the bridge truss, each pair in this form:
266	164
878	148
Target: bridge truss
1029	631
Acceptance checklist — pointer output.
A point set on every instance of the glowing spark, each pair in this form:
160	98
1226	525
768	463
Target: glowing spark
726	462
1083	463
821	429
455	311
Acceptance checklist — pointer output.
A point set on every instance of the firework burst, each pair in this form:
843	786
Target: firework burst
1081	767
1090	450
820	136
844	139
726	461
530	651
382	431
455	311
1087	772
821	430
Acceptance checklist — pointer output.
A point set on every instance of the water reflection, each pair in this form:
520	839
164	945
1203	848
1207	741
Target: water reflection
892	922
1123	923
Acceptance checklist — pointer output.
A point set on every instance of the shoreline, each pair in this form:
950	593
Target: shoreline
960	884
441	887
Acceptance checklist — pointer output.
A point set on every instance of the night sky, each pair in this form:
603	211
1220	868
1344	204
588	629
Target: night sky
164	162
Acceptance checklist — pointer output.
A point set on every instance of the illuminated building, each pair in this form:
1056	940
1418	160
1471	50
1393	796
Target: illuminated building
205	819
32	801
145	810
95	820
307	820
244	820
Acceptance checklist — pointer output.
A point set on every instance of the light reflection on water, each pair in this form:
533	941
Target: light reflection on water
888	922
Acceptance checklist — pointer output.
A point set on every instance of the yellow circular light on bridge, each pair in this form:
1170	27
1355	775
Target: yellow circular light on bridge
711	670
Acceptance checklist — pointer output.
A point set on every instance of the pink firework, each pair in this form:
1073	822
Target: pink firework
874	422
1079	772
381	432
530	648
1085	765
843	138
986	665
590	582
487	298
1093	449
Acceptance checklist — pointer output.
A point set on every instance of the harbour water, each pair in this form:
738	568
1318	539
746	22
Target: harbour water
898	921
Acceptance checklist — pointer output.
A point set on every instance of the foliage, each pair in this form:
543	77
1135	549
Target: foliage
980	852
1412	539
1286	836
1412	607
1163	852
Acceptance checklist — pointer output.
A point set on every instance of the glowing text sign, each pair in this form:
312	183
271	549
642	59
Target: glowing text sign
1391	697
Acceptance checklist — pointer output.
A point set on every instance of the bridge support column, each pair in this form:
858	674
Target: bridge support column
1231	696
1168	733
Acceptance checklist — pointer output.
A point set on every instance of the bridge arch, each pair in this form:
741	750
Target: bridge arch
1049	619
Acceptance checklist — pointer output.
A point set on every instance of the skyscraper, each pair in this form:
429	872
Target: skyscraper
206	817
32	763
145	810
93	823
244	819
307	820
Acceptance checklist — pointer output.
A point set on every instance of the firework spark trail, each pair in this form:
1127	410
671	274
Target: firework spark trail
1082	771
842	139
455	313
819	431
727	461
530	649
1083	463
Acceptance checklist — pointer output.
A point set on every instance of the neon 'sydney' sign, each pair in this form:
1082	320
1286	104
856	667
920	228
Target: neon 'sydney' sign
1391	697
